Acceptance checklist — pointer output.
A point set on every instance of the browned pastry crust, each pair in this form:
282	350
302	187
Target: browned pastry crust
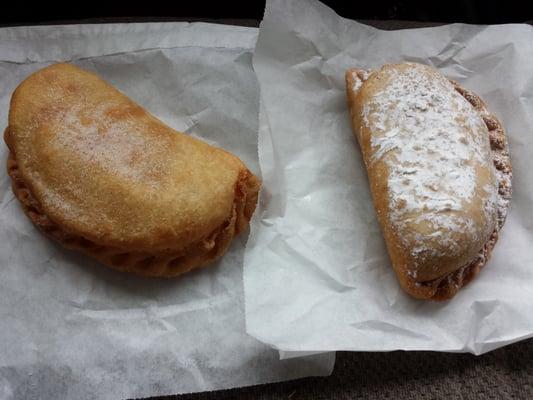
168	255
168	264
446	286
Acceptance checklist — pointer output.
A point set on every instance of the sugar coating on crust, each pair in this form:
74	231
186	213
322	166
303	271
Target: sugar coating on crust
431	140
447	286
442	179
429	130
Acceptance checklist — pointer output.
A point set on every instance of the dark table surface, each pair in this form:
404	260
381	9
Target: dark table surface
503	374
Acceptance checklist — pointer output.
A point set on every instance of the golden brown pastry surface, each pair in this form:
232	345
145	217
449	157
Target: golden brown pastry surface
439	171
98	173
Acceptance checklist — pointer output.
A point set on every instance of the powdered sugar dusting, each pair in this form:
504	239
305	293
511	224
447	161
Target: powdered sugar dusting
359	77
117	143
357	83
432	140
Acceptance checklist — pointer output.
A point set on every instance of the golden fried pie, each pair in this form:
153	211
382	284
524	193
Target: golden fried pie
97	173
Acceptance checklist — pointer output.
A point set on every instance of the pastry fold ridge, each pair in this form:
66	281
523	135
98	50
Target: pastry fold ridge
97	173
439	171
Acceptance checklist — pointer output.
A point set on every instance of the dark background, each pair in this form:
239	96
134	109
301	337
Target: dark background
469	11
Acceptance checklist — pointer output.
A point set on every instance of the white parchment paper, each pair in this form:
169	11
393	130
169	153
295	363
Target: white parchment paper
71	328
317	274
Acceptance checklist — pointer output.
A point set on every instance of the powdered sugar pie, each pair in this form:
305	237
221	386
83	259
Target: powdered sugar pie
439	170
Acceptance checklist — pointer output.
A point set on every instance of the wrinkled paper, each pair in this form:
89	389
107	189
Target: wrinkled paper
71	328
317	274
